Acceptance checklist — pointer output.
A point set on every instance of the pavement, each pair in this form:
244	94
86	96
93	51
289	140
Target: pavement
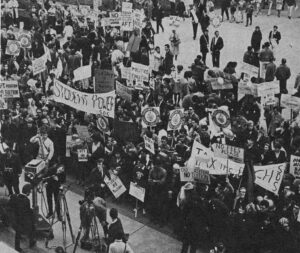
144	237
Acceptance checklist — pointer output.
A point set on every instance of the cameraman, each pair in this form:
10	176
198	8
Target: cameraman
24	218
55	177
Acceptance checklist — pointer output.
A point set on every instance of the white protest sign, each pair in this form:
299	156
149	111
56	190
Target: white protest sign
289	101
82	155
115	185
104	80
149	144
250	70
126	73
115	19
269	177
227	151
137	191
201	176
175	119
9	89
139	72
137	19
200	152
127	6
268	87
39	64
186	174
262	69
97	103
295	166
127	21
268	98
123	91
83	72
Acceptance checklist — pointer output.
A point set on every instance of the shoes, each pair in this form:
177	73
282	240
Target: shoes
49	215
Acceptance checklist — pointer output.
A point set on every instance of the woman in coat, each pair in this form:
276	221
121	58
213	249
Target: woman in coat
175	41
256	39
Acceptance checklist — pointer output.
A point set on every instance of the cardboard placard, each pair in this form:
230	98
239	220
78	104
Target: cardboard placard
115	19
39	64
127	21
123	91
9	89
270	177
82	73
82	155
83	132
295	166
115	185
13	47
186	174
150	116
104	80
227	151
149	144
201	176
137	191
25	40
175	119
250	70
139	72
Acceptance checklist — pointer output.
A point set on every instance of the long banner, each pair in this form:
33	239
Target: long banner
97	103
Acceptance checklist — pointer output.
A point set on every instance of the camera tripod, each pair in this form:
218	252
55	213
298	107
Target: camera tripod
64	219
92	243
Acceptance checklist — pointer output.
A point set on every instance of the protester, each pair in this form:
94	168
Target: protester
215	47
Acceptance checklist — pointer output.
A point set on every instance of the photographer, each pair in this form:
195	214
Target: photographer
24	219
55	177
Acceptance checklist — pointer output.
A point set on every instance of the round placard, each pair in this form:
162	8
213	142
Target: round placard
25	40
102	124
221	118
175	119
13	48
150	116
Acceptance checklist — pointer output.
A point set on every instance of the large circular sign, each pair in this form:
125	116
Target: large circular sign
25	40
150	116
216	21
102	124
13	47
175	119
221	118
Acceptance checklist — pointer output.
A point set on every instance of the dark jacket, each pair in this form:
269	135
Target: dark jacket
204	43
256	40
113	230
274	35
215	47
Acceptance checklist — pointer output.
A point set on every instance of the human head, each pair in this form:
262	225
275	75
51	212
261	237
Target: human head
275	27
113	213
167	47
26	189
249	49
257	28
217	33
243	192
283	61
157	49
206	32
44	132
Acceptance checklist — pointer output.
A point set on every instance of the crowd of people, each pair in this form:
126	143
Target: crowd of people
231	211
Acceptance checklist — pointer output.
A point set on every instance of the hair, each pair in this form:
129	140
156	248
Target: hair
113	213
277	145
249	48
167	45
283	61
275	26
179	67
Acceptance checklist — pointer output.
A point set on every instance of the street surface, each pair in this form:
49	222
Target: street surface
143	238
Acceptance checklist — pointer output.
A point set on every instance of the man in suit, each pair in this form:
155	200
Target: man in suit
204	44
115	227
24	222
215	47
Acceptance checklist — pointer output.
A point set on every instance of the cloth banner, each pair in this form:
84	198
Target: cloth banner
82	73
149	144
115	185
269	177
98	103
295	166
9	89
104	80
123	91
39	64
227	151
137	191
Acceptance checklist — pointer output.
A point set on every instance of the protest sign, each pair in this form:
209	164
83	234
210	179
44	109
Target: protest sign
201	176
295	166
289	101
82	155
3	104
137	191
125	73
13	47
268	98
115	19
39	64
126	6
220	117
83	132
149	144
150	116
269	177
227	151
25	40
127	21
96	5
262	69
123	91
137	19
139	72
82	73
104	80
9	89
98	103
103	124
175	119
249	69
217	84
200	152
70	143
186	174
115	185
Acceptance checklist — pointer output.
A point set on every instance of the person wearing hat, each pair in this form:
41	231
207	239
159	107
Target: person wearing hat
12	171
24	217
46	146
